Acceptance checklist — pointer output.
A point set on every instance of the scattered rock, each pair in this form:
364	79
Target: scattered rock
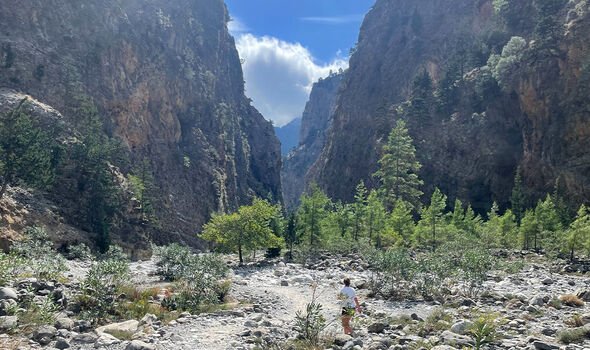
64	323
377	327
62	343
129	327
461	327
342	339
541	345
8	293
8	322
139	345
44	334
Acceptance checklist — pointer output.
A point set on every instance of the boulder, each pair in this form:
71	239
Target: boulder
342	339
541	345
461	327
44	334
64	323
62	343
8	322
129	327
450	338
8	293
377	327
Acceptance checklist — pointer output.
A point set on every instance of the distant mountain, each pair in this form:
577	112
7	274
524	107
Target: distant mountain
288	135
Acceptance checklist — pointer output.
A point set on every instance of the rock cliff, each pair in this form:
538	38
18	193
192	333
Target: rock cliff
166	79
314	125
471	131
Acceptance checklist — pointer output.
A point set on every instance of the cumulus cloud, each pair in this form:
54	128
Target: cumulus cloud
279	75
237	27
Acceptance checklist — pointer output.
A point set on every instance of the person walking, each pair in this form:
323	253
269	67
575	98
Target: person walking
350	304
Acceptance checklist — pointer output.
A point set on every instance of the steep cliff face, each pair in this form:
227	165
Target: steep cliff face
472	134
166	78
314	126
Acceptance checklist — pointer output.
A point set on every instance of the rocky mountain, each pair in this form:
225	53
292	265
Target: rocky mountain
288	135
314	125
166	79
485	87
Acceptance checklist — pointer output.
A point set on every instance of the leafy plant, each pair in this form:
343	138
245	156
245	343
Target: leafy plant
483	330
310	323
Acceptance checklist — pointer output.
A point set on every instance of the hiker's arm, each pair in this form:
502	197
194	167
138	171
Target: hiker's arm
358	305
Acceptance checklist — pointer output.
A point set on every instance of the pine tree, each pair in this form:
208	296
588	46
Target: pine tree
432	219
529	230
399	167
26	151
578	235
312	212
402	222
290	234
375	217
358	210
518	198
549	225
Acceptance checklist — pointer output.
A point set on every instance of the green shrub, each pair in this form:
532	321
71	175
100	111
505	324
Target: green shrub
102	287
198	281
172	260
310	323
483	330
38	256
79	252
573	335
115	253
11	265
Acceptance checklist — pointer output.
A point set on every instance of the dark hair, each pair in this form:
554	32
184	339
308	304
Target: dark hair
347	282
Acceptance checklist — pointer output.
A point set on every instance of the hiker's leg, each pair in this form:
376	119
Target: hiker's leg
346	324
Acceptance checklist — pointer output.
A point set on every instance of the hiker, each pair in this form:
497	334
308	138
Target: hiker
350	303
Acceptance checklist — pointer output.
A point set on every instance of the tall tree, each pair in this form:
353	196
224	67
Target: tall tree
518	198
376	217
399	167
312	213
432	219
578	235
358	210
402	222
26	151
247	229
290	234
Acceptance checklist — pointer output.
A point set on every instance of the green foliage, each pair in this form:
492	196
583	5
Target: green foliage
431	227
38	256
312	212
290	234
310	323
573	335
483	330
143	187
376	217
401	222
79	252
548	30
94	156
27	152
172	260
101	289
578	234
358	210
399	167
247	229
500	231
10	267
505	66
518	199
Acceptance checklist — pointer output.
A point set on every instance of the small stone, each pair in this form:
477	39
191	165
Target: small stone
139	345
284	283
547	281
148	319
44	334
541	345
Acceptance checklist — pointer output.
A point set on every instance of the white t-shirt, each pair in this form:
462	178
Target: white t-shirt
349	295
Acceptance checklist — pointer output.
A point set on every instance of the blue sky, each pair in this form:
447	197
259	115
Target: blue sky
286	45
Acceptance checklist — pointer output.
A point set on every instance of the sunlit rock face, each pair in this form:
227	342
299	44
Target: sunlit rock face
167	79
472	150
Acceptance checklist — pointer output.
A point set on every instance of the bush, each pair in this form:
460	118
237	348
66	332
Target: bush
115	253
483	330
102	287
310	323
79	252
571	300
199	279
10	267
574	335
38	256
393	271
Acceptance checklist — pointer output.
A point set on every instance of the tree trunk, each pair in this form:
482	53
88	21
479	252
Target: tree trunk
240	254
3	189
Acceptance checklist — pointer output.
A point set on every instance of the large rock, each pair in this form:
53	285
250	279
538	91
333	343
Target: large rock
8	323
342	339
64	323
450	338
377	327
461	327
8	293
542	345
127	327
44	334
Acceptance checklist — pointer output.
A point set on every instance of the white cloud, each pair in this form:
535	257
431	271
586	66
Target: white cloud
279	75
237	27
334	20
